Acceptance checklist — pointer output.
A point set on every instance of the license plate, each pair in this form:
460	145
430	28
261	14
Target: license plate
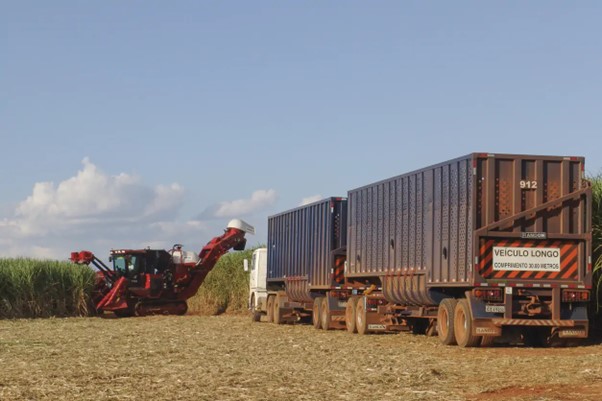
495	308
376	327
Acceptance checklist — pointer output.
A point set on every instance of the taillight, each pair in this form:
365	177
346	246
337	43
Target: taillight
575	296
374	302
489	294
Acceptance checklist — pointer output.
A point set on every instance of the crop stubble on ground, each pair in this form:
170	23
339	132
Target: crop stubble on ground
230	358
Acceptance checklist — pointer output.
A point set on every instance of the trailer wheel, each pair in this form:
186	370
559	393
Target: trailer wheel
350	311
277	311
325	314
360	317
270	309
315	317
445	321
463	325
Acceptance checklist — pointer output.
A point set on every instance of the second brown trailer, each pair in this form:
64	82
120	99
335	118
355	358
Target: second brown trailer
482	245
305	264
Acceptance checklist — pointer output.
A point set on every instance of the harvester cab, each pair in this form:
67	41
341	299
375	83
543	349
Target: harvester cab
155	281
136	265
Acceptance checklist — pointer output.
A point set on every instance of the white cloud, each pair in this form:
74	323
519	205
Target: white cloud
166	198
89	193
259	200
97	211
310	199
92	197
173	229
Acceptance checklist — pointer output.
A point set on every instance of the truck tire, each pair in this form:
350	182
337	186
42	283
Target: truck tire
463	325
278	319
270	309
255	314
360	317
315	317
350	310
325	315
445	321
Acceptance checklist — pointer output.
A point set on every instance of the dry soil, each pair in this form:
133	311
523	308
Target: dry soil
231	358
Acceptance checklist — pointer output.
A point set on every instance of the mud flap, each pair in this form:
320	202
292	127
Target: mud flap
335	304
336	309
374	321
579	331
482	320
262	304
284	307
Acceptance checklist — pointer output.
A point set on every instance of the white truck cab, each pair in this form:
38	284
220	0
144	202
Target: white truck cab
257	282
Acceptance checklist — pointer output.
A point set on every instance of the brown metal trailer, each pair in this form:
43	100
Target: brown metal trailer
484	245
305	261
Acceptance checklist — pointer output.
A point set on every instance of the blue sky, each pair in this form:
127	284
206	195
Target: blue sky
135	123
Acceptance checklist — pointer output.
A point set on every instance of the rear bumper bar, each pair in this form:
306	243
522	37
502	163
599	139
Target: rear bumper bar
535	322
563	328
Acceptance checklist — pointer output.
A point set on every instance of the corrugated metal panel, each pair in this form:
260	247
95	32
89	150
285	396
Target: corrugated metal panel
424	229
545	178
428	211
301	241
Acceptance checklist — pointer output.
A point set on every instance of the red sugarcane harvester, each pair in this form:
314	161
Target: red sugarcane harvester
154	281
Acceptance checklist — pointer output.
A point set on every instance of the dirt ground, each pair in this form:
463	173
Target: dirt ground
231	358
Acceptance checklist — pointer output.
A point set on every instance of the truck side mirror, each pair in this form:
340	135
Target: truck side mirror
245	264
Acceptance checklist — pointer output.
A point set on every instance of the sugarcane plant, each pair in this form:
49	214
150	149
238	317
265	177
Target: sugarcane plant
596	310
43	288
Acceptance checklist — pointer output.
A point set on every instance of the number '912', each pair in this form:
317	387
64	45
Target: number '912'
526	184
